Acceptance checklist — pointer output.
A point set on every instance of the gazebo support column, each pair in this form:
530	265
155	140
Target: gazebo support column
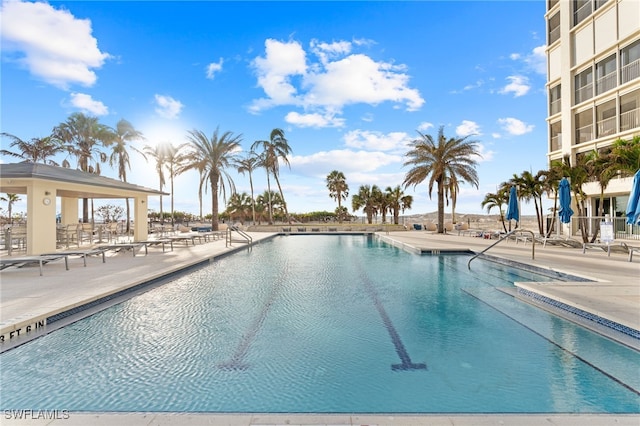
140	213
69	210
41	218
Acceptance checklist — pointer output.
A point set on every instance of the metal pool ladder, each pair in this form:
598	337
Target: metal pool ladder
246	238
506	237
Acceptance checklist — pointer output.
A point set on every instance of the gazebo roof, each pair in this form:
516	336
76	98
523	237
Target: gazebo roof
71	182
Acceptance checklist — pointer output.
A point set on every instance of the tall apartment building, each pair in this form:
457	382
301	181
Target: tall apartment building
593	83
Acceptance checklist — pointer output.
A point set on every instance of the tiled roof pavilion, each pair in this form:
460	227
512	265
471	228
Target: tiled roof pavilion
42	184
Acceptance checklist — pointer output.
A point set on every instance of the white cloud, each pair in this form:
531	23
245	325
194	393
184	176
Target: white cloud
52	44
377	141
281	62
537	60
168	107
519	86
345	160
515	127
313	120
325	85
424	126
87	104
486	154
326	51
468	128
213	68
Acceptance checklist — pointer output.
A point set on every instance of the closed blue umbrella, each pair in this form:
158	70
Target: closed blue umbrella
633	206
564	193
512	210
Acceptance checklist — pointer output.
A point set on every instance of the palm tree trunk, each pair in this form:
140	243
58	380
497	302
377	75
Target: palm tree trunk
253	200
284	203
269	198
440	206
214	202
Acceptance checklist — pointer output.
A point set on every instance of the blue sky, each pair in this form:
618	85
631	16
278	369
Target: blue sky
350	83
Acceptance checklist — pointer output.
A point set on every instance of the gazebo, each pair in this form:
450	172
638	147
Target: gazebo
43	183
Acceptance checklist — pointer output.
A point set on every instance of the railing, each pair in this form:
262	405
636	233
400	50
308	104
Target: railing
606	126
630	71
245	238
581	13
506	237
555	107
554	34
630	119
621	229
583	93
584	134
606	83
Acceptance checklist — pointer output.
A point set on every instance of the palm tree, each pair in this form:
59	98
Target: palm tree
338	189
37	150
125	133
84	136
625	155
367	199
440	160
239	205
452	187
214	155
158	153
275	149
578	176
10	199
531	187
551	181
175	161
497	200
269	198
398	201
248	165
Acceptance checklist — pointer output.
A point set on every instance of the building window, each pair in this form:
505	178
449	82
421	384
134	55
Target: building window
554	100
581	9
556	136
584	126
606	118
630	62
597	4
606	75
584	85
551	4
630	111
554	28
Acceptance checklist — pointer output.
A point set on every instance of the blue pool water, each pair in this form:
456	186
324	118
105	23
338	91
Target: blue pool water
326	324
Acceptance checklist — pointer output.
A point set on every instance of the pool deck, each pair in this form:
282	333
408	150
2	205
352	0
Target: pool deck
26	298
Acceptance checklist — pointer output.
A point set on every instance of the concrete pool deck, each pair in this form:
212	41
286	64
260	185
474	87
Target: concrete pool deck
26	298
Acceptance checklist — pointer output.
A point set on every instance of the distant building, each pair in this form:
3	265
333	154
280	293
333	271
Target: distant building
593	84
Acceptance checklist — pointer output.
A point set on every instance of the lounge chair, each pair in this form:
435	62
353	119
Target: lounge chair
611	247
81	253
123	247
19	262
159	241
559	241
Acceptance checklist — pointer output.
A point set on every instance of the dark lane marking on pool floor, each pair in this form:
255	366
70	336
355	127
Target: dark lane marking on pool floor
406	364
237	360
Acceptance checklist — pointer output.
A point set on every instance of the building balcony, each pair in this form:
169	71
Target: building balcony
630	71
606	83
583	93
630	120
606	127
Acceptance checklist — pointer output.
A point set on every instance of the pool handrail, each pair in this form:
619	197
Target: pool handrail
505	237
247	238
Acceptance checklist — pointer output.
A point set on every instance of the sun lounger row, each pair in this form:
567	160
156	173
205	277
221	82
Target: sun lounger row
620	247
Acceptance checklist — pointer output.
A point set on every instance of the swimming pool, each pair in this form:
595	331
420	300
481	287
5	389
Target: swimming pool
326	324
